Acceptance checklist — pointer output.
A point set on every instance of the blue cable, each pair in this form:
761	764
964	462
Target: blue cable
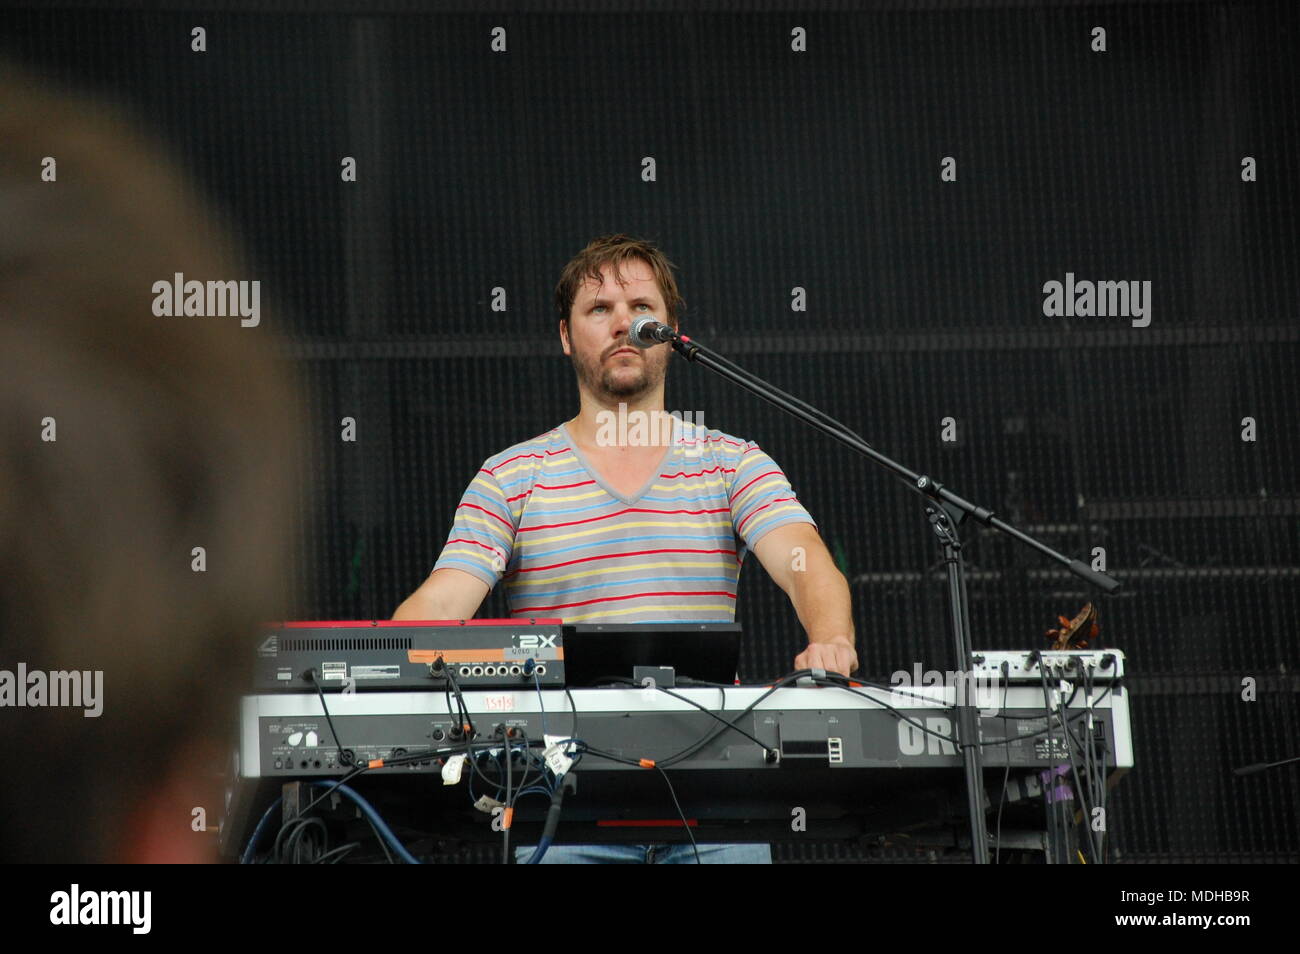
378	822
533	790
247	857
538	852
387	833
384	831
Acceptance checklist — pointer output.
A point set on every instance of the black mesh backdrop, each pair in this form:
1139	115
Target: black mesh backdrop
817	170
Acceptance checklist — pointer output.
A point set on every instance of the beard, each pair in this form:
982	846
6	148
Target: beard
609	380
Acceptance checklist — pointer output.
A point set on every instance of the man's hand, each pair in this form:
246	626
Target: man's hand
837	655
798	562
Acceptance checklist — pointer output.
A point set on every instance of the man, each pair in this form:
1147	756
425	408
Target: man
624	514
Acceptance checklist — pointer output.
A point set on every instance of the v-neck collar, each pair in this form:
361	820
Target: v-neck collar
600	480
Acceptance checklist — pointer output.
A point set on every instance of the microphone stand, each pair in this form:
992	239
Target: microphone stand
1263	766
944	512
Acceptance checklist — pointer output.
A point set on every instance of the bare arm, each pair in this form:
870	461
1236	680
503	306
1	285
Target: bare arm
798	562
446	594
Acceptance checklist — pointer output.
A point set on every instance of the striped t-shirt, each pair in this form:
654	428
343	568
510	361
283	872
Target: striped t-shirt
538	517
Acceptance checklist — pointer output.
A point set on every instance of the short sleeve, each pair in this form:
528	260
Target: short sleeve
762	498
483	532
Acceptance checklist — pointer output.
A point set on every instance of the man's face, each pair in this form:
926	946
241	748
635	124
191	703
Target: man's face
596	338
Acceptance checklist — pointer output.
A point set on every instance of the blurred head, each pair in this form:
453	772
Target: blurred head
611	283
127	441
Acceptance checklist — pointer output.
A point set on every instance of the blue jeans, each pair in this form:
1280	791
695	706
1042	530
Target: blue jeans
649	854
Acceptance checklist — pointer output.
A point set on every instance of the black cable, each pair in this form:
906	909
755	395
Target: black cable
472	759
1006	776
1094	754
340	852
353	773
467	748
450	680
952	740
1067	822
299	842
513	786
638	762
1080	788
694	747
346	756
287	841
1049	790
296	828
828	679
294	832
549	826
1089	767
288	827
285	829
507	812
573	707
842	682
1049	785
732	724
1098	748
467	720
834	679
473	752
503	793
446	699
460	698
1103	750
1078	715
681	814
520	788
708	711
717	732
1033	735
610	756
899	713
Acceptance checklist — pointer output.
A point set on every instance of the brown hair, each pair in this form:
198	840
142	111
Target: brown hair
615	250
170	433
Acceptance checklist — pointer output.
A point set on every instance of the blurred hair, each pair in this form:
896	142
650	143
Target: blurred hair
172	433
615	250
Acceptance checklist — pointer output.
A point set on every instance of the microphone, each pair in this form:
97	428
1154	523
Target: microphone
646	332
